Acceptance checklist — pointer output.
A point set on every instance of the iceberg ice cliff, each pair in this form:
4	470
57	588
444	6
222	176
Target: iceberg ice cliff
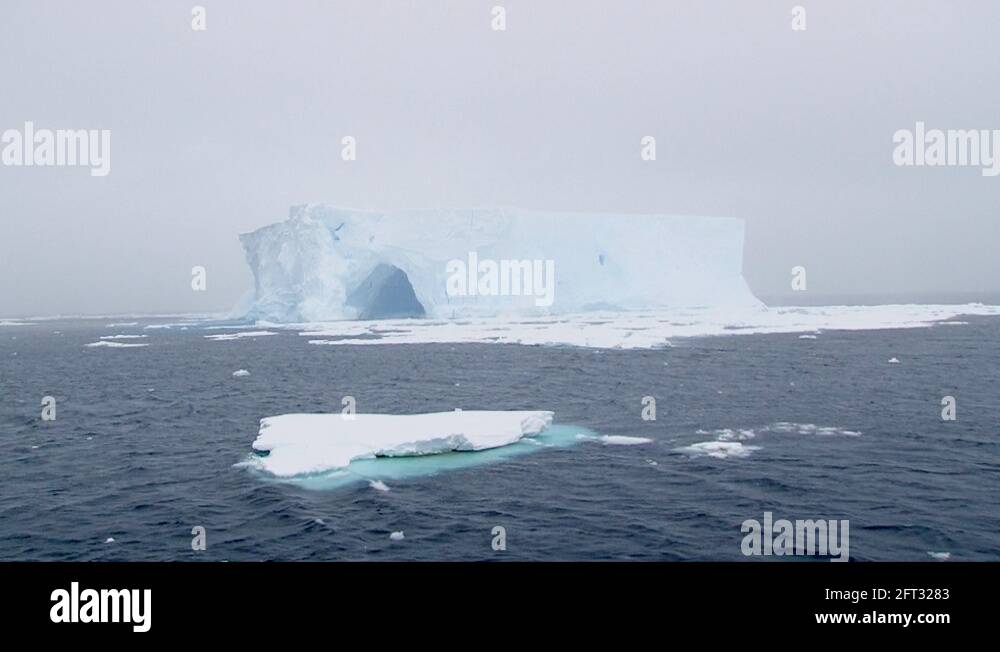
328	263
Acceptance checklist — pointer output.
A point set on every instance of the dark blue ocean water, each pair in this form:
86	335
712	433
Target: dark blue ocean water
145	441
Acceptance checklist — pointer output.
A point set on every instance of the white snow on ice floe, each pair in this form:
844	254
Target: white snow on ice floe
298	444
240	373
122	336
115	345
15	322
893	360
940	556
633	330
225	337
397	536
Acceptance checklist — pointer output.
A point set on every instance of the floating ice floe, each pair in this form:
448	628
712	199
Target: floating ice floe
193	321
15	322
238	335
718	449
390	469
397	536
632	330
616	440
807	337
893	360
122	336
810	429
116	345
378	485
729	441
240	373
940	556
729	434
296	444
125	324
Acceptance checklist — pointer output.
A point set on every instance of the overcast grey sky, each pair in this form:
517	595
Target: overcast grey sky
217	132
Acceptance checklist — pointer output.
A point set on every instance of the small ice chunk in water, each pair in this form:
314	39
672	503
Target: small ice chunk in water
240	373
115	345
893	360
622	440
397	536
228	337
110	540
728	434
616	440
378	485
940	556
720	450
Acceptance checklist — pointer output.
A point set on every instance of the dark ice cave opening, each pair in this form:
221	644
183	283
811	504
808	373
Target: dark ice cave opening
385	294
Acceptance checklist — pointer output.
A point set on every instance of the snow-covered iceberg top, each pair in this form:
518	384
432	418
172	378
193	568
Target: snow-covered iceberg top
300	444
329	263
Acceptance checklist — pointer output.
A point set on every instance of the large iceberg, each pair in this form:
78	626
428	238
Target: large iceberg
328	263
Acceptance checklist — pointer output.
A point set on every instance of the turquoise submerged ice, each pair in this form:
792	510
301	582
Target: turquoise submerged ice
328	450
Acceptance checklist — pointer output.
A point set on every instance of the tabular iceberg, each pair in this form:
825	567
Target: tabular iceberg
327	263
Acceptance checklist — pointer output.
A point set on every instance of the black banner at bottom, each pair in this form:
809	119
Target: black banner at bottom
154	600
